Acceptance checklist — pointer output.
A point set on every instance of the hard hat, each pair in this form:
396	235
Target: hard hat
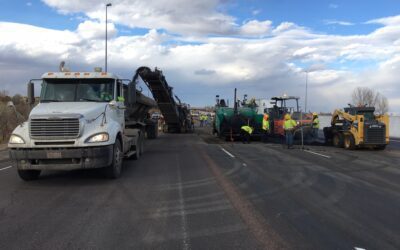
287	117
315	114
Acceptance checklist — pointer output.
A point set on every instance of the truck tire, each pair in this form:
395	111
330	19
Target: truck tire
338	140
114	170
349	142
29	175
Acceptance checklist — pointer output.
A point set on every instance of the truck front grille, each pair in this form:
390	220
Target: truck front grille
65	128
375	135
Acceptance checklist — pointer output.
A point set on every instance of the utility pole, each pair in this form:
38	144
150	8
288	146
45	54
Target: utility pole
107	5
305	111
305	103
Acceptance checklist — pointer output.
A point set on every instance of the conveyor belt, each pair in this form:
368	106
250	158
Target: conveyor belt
174	115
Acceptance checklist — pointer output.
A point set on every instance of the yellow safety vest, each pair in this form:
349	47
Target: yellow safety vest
316	123
248	129
289	124
265	123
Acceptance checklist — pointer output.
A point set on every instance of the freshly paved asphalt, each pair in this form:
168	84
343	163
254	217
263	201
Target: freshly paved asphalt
191	191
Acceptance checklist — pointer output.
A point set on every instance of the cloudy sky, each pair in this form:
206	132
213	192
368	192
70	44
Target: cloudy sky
208	47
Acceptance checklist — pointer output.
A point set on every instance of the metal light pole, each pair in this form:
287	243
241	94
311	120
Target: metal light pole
305	103
107	5
305	110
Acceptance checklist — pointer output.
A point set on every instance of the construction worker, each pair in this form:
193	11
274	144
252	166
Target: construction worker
246	132
315	126
265	126
289	126
201	118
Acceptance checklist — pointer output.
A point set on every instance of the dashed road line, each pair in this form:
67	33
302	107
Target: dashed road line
1	169
315	153
227	152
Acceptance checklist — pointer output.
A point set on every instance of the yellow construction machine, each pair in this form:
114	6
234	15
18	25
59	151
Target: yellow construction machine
356	127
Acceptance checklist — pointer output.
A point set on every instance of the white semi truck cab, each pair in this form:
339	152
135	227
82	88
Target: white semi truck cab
84	120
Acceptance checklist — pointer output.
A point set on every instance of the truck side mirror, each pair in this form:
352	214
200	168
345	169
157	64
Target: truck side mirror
31	93
132	93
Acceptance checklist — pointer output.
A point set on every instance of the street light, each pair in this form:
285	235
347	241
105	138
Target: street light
107	5
305	103
305	111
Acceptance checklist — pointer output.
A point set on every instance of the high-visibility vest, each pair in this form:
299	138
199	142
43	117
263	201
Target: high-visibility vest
105	96
248	129
265	123
316	123
289	124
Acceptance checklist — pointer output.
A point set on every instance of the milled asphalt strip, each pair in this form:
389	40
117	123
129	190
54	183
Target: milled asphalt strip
256	223
184	227
1	169
315	153
227	152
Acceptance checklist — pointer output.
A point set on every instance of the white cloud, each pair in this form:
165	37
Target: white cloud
337	22
192	17
333	6
29	4
304	51
95	30
256	12
269	60
256	28
392	20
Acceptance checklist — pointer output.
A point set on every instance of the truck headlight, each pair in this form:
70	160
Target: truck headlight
101	137
15	139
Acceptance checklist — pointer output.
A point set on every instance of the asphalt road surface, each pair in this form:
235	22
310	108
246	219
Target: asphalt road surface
191	191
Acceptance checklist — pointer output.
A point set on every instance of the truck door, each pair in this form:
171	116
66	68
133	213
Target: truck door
120	103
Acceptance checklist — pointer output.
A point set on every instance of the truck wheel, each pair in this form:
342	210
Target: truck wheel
338	140
114	170
349	142
29	175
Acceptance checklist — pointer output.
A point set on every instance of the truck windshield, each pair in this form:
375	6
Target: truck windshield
368	116
77	90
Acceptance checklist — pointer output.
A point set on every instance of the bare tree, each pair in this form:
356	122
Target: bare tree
363	96
382	105
8	118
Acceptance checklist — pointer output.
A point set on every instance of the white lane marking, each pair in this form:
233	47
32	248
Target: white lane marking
359	248
184	227
244	165
315	153
231	155
1	169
